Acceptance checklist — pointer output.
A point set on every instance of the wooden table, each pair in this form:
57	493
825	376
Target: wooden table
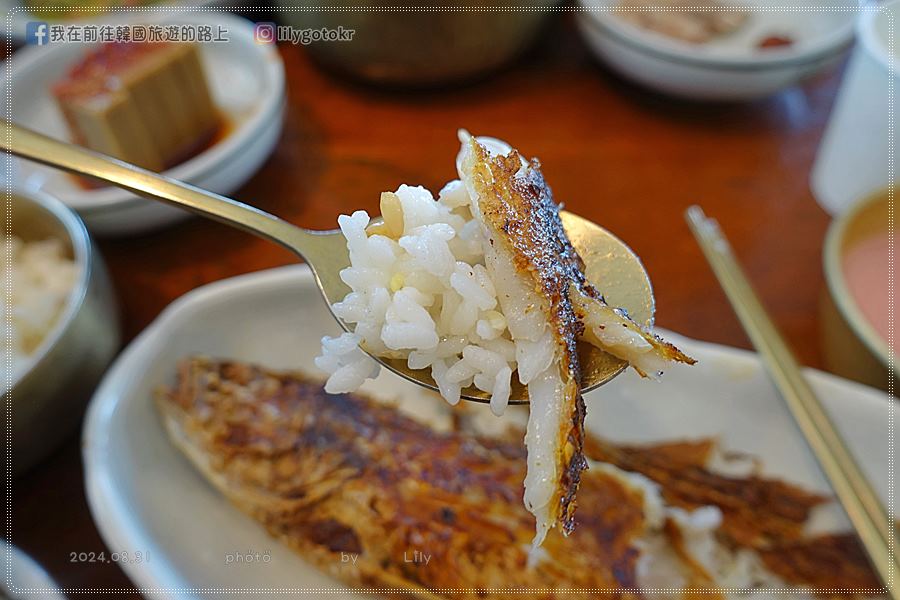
613	153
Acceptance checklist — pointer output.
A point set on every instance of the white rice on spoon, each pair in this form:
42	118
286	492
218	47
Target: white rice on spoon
443	286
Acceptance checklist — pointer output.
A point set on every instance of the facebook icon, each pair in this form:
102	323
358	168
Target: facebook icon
36	33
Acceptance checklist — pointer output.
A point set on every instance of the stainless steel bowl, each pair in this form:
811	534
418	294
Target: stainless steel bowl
419	47
45	401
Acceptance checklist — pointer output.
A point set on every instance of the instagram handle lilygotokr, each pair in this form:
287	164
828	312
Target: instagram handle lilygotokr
270	33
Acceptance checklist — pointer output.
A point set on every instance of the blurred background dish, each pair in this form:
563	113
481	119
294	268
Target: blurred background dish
426	48
690	54
247	85
852	161
24	573
54	374
858	336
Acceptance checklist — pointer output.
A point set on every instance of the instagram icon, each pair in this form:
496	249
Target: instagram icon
264	33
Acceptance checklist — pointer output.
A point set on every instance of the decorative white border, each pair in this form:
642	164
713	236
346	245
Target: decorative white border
414	593
452	8
892	359
7	296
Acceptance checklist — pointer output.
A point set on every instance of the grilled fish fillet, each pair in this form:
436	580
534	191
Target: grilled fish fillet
767	516
524	251
327	474
680	469
339	473
547	300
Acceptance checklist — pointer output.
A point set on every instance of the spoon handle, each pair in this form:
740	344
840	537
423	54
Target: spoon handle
34	146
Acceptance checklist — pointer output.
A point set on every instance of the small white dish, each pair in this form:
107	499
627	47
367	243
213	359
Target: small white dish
727	68
247	83
145	496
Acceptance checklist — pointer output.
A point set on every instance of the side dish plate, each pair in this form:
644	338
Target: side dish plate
247	83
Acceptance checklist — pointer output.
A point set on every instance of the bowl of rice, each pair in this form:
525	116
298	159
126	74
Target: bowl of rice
60	326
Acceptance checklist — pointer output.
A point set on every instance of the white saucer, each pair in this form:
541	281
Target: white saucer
247	82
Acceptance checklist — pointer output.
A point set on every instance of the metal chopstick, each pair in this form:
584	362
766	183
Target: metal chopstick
866	512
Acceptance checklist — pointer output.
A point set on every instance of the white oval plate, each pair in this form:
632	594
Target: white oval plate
145	496
247	83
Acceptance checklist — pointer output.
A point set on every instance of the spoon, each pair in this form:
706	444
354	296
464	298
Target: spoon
608	261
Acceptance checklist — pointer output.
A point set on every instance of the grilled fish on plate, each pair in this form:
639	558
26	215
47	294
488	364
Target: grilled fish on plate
438	514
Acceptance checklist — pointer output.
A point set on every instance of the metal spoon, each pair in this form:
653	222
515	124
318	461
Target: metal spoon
609	262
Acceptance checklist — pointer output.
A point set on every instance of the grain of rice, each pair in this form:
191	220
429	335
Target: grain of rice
420	289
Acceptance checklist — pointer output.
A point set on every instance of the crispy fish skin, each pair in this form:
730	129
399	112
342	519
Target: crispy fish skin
828	562
767	516
328	474
519	211
757	512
